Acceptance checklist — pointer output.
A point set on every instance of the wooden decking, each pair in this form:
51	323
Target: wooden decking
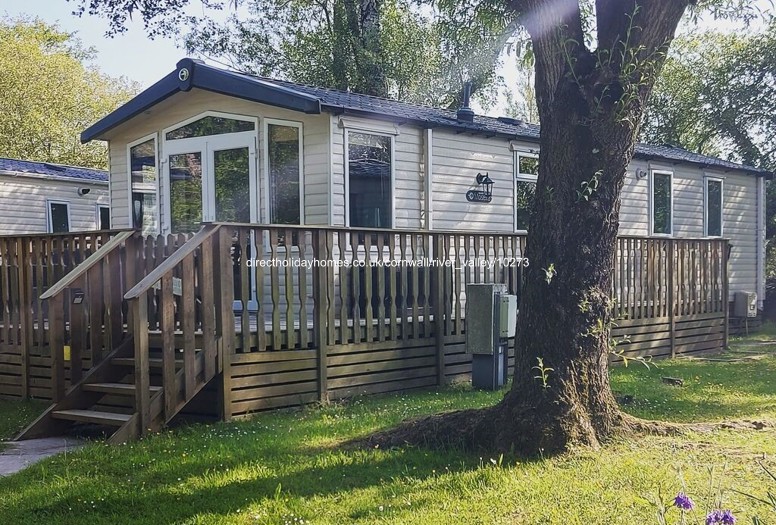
375	322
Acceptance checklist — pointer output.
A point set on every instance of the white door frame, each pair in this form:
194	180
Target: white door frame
206	146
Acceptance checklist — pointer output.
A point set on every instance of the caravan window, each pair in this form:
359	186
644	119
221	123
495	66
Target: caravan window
58	217
284	167
526	174
144	207
370	166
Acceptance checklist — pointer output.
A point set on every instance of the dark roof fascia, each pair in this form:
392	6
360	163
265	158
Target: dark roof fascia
193	73
158	92
251	88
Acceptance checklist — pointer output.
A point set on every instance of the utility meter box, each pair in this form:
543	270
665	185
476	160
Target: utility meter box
745	304
491	315
507	310
482	317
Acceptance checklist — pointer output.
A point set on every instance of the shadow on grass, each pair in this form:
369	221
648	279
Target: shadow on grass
175	492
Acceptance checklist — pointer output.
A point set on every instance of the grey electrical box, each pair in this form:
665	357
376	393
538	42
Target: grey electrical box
745	304
481	317
507	315
491	315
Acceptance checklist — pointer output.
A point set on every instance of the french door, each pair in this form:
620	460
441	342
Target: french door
210	179
213	179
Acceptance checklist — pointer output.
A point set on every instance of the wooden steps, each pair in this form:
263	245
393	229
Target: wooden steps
154	362
121	389
108	419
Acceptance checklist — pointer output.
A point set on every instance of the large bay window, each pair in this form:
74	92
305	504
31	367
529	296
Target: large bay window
144	181
369	179
526	173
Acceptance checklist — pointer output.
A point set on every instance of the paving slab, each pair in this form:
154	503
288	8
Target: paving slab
19	455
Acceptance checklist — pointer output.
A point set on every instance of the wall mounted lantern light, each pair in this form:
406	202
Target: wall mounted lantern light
484	195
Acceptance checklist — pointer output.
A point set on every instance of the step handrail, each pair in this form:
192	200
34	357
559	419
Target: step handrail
88	263
147	282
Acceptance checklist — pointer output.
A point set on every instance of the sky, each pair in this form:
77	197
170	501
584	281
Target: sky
135	56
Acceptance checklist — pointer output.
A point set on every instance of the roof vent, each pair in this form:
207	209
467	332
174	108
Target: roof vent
55	167
465	113
511	121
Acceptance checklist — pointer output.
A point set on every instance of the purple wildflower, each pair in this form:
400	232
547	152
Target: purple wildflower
720	517
683	501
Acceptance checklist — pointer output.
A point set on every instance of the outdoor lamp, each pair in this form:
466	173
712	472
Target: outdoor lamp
485	180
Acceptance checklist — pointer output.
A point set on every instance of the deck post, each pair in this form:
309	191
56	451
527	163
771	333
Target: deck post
25	314
139	309
320	328
225	328
57	346
439	309
726	247
671	306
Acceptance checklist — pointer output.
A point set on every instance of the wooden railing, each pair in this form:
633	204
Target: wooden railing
388	285
375	286
186	293
656	278
29	265
92	293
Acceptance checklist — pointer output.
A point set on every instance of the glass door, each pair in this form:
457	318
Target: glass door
211	179
214	179
185	176
232	182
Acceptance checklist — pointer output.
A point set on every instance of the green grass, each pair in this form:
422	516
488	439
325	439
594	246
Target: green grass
286	468
15	415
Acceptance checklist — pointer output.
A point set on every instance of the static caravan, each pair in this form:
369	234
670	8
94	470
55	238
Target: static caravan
303	244
39	197
210	145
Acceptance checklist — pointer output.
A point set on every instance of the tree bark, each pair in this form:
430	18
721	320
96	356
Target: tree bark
590	108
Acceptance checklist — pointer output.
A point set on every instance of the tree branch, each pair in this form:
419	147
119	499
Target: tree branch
556	32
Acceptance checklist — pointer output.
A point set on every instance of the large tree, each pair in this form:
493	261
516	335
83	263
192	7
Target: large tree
717	96
49	93
595	66
417	51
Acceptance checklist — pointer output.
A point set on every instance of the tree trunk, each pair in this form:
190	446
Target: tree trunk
565	308
590	107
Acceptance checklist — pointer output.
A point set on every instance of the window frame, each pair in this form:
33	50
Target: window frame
173	146
366	131
706	180
97	217
220	114
520	177
157	166
49	217
266	122
670	174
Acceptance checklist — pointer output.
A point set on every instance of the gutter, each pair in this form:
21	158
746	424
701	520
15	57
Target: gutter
760	242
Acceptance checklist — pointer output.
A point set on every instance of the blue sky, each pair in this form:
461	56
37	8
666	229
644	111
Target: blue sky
133	54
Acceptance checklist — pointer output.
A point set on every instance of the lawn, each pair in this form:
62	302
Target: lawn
286	468
14	415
